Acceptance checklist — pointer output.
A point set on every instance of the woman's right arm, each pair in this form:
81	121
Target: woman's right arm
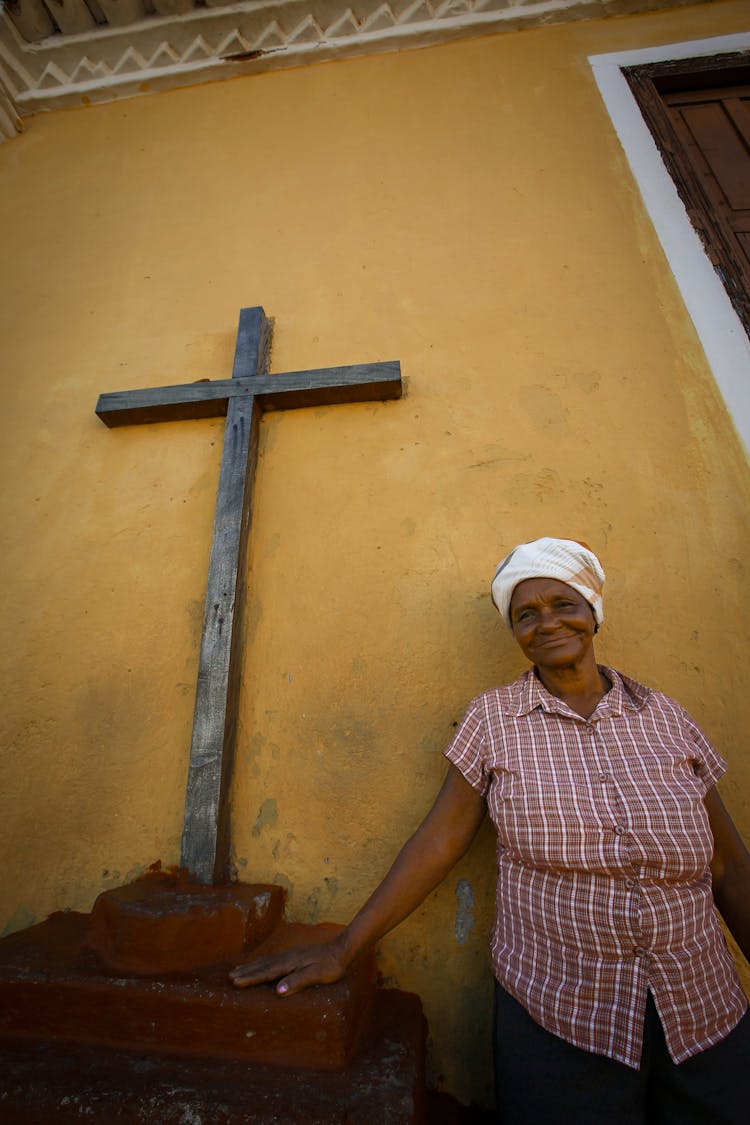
441	839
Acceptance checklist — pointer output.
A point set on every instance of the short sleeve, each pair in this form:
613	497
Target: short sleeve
710	766
467	750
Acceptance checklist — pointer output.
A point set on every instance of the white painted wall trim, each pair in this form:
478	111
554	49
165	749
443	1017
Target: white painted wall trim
209	40
721	332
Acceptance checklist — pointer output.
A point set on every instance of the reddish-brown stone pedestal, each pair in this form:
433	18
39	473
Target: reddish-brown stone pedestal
43	1084
88	1031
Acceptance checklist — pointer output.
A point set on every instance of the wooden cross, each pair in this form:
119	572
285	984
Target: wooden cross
243	398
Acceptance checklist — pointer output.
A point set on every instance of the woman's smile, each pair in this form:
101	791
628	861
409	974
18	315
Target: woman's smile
551	621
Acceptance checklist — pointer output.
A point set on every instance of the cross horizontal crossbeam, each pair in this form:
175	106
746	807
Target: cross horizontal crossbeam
360	382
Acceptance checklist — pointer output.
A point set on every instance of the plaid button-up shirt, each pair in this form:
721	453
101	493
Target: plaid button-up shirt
603	888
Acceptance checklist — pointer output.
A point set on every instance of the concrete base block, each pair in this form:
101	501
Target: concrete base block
54	987
58	1084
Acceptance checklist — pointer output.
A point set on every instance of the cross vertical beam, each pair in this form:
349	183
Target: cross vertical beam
242	399
205	834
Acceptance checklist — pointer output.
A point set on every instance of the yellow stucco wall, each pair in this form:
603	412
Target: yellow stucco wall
467	210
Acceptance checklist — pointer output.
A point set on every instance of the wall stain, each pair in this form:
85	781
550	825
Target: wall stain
497	454
313	906
332	885
464	911
736	568
194	610
585	382
348	734
588	381
272	545
20	920
545	409
524	489
206	480
115	878
282	880
253	618
254	747
320	899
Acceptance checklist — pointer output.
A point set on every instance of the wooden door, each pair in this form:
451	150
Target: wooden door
699	114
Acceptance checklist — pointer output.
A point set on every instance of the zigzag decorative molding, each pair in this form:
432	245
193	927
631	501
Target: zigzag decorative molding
57	53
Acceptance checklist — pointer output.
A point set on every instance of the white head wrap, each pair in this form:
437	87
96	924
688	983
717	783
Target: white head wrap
565	559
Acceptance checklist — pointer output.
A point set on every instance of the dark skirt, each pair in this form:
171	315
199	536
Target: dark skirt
542	1080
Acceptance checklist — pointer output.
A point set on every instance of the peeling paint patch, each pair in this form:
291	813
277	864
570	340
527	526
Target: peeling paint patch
267	815
464	911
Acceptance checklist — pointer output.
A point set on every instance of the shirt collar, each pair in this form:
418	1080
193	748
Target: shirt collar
624	695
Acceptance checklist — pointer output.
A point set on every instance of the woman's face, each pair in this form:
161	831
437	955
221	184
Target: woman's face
553	624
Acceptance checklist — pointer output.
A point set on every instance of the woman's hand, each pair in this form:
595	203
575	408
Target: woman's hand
298	968
441	839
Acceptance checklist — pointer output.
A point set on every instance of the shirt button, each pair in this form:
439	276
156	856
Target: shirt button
619	830
631	883
604	777
640	951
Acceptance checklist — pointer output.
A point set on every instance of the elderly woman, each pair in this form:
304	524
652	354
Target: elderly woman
616	997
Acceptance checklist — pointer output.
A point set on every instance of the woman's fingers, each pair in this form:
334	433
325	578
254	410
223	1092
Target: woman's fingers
315	973
262	970
294	970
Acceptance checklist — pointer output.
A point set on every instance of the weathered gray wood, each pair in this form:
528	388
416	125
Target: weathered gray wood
243	398
205	833
361	382
252	348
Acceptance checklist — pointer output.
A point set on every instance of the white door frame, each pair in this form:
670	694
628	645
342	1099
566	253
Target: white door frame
721	332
